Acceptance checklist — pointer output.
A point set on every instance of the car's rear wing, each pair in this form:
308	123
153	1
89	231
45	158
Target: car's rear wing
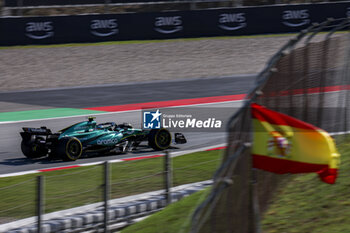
42	132
37	131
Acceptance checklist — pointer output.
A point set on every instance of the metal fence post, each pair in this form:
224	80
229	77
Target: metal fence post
107	6
20	8
106	194
168	177
238	3
193	5
255	226
40	202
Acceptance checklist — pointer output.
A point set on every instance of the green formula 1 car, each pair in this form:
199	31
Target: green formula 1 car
71	143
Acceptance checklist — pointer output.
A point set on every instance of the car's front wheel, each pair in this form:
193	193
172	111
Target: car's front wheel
159	139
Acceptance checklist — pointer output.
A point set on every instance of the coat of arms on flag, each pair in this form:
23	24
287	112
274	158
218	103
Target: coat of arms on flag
278	145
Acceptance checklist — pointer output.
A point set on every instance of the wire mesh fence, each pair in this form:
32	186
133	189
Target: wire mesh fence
74	188
201	170
90	189
17	200
133	177
307	79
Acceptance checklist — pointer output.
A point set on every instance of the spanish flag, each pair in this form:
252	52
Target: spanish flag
283	144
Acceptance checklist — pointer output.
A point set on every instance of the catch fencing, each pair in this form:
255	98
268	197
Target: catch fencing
308	78
99	197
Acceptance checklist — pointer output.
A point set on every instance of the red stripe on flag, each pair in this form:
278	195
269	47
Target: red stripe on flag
58	168
263	114
169	103
142	157
328	175
283	166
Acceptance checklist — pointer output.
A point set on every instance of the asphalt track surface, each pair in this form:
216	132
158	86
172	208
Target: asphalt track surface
128	93
12	160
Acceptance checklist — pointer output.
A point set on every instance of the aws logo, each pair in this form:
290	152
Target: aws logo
296	18
168	25
39	30
232	22
104	27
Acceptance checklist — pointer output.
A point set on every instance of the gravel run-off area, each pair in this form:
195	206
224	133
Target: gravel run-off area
49	67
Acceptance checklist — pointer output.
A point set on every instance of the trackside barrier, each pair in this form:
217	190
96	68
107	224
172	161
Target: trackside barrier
26	3
98	188
309	79
167	25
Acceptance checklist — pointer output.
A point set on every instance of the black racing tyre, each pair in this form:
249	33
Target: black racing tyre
69	149
31	151
159	139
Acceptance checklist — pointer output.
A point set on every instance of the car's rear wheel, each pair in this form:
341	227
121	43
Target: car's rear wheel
69	149
31	150
159	139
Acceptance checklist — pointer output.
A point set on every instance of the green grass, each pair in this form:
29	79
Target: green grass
304	204
79	186
175	218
